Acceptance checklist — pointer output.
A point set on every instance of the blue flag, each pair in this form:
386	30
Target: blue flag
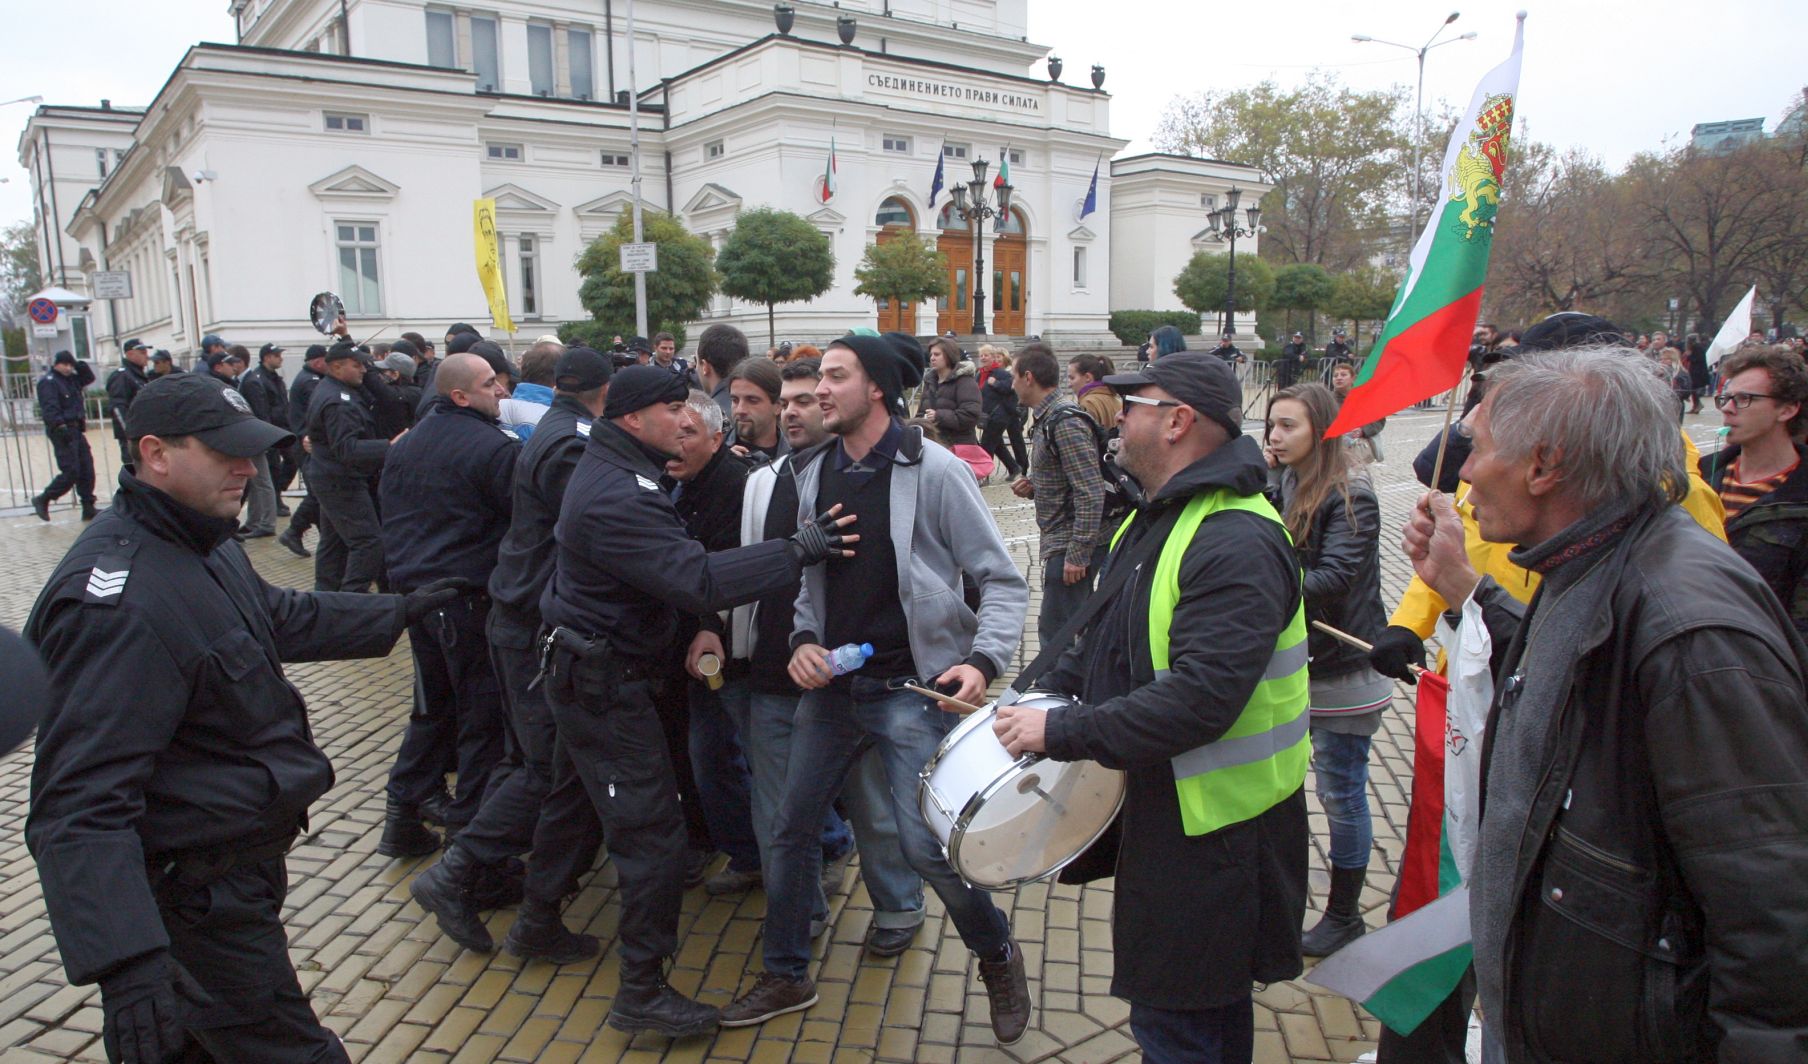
1092	193
935	187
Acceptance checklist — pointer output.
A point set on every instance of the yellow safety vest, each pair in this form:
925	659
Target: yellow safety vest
1262	759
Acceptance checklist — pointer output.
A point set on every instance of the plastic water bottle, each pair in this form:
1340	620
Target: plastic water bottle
848	657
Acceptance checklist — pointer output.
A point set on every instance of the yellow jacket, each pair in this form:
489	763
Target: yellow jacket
1420	607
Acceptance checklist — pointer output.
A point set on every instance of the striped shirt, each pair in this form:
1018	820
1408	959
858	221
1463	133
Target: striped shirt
1070	487
1737	494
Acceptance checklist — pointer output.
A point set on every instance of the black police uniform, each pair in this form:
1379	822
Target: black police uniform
540	804
122	387
176	763
347	454
66	423
307	515
445	502
264	389
625	571
1337	349
1288	367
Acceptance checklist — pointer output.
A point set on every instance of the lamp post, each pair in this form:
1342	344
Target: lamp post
1224	227
970	203
1419	105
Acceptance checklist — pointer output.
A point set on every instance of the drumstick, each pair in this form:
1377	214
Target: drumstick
965	707
1359	644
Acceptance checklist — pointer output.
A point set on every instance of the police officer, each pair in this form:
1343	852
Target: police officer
122	387
1338	350
264	389
313	368
625	569
539	803
445	505
66	423
346	453
176	763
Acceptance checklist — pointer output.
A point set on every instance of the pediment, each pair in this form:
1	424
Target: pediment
1081	234
606	206
513	197
713	197
355	182
175	185
827	218
1205	236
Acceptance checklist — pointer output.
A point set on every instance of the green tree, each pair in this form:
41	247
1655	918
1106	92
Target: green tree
1302	286
904	268
19	273
775	257
1202	285
1364	294
677	292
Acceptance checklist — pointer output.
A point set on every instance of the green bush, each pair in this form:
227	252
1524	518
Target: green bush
599	335
1132	327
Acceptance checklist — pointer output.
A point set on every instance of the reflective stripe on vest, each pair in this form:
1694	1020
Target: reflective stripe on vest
1262	759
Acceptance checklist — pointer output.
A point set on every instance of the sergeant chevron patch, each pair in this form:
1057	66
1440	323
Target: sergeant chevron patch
105	585
646	485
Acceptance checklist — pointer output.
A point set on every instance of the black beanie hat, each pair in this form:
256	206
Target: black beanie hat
638	387
462	342
1571	328
892	364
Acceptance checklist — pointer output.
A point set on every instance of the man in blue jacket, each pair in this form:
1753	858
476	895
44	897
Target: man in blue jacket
66	423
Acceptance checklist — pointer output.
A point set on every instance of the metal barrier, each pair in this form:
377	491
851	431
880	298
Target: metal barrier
27	461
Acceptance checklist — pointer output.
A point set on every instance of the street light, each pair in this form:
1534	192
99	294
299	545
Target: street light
23	99
1224	227
1419	106
970	203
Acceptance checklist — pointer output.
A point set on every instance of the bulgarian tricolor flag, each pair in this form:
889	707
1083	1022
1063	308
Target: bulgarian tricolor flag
825	187
1425	343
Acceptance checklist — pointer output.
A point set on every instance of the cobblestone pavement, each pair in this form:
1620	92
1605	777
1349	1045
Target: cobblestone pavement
396	989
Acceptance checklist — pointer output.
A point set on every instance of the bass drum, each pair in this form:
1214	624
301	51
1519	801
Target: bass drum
1005	821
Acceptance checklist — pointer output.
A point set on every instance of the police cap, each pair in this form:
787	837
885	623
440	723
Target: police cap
638	387
202	406
580	369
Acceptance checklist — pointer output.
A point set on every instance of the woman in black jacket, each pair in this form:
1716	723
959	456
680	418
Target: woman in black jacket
1332	514
950	397
1004	415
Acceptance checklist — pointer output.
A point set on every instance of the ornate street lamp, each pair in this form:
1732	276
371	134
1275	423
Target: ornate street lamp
970	203
1224	227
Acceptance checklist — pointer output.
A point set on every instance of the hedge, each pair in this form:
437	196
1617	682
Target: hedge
1132	327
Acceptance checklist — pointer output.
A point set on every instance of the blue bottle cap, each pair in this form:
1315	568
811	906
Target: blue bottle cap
866	650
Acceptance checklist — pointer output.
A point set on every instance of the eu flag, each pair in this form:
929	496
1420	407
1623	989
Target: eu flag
935	187
1092	193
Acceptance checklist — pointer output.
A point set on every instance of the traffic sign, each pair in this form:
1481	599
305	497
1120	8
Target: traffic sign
640	258
113	284
42	311
44	332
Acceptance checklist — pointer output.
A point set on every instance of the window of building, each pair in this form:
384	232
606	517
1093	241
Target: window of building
955	151
483	53
340	122
539	59
1208	201
1079	267
358	282
530	275
894	142
893	212
714	150
442	40
506	152
119	156
100	160
583	84
1016	156
616	159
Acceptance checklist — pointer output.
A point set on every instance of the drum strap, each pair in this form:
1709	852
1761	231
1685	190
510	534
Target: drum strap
1117	573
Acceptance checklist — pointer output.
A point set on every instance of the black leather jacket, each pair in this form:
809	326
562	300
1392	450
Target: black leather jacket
1342	565
1661	915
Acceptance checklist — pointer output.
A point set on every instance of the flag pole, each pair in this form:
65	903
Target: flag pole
1437	468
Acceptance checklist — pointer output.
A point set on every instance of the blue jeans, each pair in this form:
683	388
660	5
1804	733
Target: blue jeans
1342	766
720	769
1222	1035
831	727
896	890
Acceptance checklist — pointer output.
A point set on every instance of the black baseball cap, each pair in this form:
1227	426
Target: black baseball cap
1199	379
160	355
195	404
135	345
638	387
342	350
580	369
269	349
639	343
314	351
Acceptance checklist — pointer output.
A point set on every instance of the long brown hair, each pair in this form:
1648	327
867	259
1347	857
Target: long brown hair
1326	470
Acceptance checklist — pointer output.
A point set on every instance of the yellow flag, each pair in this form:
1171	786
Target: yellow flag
489	264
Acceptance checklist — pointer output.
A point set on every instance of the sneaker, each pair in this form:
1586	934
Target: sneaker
733	881
834	873
292	540
1008	994
772	995
696	866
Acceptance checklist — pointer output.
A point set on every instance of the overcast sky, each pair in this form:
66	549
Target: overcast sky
1614	76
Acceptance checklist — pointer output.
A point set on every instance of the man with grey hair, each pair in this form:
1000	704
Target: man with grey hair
1635	892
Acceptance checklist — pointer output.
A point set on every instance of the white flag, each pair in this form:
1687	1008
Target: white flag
1734	332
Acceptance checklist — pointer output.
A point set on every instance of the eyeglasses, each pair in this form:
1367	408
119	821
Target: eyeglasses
1742	400
1143	400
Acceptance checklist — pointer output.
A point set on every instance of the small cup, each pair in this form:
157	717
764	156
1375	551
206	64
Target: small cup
711	668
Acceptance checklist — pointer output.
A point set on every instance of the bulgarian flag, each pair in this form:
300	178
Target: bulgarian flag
1425	344
828	174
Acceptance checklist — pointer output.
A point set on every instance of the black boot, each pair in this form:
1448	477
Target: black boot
1342	923
500	885
403	833
89	510
40	505
445	891
433	810
646	1002
538	933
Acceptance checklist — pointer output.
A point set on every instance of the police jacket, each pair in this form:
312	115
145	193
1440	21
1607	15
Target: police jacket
60	397
343	431
1199	918
1772	533
300	392
524	561
171	726
626	568
122	387
445	497
269	398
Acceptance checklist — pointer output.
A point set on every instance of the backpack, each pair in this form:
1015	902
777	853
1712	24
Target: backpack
1117	500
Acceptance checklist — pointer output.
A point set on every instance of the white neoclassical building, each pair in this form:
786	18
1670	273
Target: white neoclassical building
339	145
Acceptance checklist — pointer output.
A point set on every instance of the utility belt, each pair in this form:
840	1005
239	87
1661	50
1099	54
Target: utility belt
577	667
199	867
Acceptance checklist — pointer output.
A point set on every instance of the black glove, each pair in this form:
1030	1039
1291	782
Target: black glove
1395	649
435	596
817	539
142	1011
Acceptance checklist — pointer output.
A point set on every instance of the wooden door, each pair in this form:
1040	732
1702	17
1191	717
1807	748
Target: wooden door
1010	279
955	309
895	217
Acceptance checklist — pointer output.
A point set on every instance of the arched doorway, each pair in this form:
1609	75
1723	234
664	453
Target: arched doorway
955	242
895	217
1010	277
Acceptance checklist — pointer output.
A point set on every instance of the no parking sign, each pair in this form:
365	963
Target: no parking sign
42	311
